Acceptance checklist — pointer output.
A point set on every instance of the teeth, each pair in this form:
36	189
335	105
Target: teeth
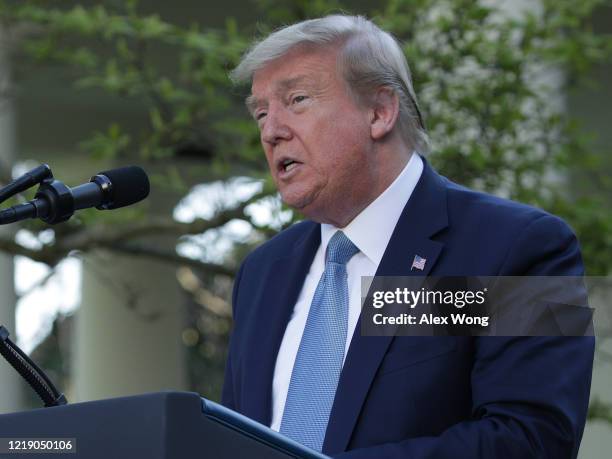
290	166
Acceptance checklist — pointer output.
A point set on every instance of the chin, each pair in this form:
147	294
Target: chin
314	213
299	206
298	201
311	204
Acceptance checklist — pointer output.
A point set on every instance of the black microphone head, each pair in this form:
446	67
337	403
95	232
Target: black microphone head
129	185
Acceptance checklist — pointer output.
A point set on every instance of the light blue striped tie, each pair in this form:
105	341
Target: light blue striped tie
319	359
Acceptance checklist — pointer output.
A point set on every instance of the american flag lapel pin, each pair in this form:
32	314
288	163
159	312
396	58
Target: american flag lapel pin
418	263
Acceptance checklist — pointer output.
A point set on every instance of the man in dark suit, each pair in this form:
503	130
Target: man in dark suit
343	137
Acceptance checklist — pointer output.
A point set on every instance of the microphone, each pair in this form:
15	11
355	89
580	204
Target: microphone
54	202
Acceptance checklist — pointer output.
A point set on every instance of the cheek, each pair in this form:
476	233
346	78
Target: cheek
349	143
347	166
341	132
269	156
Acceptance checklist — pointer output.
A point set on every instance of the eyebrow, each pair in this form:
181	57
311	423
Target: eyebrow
252	102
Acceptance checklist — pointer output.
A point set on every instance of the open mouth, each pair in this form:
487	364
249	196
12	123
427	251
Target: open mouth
287	165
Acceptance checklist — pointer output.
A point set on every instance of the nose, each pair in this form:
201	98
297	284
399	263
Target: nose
275	128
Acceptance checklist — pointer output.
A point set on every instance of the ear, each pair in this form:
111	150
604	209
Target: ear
385	111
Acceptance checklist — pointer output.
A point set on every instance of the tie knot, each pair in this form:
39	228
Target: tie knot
340	249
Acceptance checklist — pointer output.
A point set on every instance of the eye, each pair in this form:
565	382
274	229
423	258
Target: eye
298	99
260	115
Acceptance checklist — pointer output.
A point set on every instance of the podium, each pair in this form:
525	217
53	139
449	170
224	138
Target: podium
165	425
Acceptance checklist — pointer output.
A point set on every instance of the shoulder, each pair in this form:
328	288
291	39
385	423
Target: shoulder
282	243
526	236
481	210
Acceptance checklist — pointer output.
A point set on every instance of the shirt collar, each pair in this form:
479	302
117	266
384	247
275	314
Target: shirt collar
371	230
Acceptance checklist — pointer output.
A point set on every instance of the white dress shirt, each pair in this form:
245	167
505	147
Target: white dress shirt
370	231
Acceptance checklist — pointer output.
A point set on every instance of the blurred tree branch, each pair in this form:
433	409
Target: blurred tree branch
86	238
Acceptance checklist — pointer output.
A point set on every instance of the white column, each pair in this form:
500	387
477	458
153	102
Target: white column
10	382
128	330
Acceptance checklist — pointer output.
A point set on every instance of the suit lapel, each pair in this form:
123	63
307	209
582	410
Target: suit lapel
425	214
278	299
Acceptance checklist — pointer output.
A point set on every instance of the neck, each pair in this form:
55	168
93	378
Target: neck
388	165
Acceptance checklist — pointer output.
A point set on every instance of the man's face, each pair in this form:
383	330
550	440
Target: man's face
316	138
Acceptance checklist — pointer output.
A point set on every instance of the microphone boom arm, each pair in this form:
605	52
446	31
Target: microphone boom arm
27	180
34	376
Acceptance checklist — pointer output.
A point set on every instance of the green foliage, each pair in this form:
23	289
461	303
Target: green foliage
283	12
109	144
118	52
599	410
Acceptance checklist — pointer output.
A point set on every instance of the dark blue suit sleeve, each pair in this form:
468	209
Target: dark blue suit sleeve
529	395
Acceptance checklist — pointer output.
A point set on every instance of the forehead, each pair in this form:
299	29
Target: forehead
301	66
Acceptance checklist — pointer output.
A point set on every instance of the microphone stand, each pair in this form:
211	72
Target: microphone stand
34	376
32	373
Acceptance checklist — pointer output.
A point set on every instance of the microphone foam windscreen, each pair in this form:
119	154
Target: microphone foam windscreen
129	185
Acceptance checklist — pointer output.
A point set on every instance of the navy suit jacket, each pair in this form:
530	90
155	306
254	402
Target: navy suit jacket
438	396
